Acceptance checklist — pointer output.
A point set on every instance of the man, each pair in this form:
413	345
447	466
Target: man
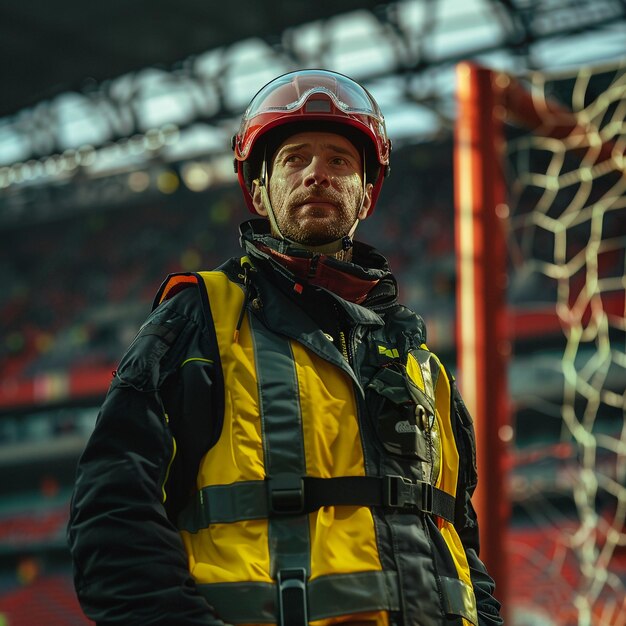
278	445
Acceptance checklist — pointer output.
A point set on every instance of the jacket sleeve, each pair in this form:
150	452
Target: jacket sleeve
466	521
129	563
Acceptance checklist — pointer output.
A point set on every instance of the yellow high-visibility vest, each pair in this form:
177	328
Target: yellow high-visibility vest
288	411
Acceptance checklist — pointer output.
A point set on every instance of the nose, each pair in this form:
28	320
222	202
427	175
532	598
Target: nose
316	174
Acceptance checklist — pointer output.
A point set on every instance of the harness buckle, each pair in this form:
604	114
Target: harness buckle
285	494
427	497
292	601
398	492
401	493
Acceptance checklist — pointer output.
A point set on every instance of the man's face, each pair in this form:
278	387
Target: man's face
316	187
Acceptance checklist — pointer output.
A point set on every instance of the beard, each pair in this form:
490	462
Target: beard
316	226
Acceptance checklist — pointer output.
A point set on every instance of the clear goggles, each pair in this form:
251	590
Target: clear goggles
291	91
294	93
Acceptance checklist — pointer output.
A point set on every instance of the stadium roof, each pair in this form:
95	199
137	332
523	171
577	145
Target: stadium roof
52	46
91	90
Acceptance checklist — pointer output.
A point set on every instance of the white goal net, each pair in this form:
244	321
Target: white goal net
562	144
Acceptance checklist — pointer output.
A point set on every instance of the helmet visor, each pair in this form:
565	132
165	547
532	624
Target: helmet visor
291	91
296	92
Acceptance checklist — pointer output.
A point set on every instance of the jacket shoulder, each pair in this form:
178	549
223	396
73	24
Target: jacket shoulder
183	281
177	320
175	284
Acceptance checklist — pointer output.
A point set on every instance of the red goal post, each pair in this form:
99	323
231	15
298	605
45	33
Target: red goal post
480	199
590	138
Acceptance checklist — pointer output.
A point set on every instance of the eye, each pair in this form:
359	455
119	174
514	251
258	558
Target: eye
292	160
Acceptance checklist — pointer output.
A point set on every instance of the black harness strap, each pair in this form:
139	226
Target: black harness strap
394	492
291	494
327	597
281	420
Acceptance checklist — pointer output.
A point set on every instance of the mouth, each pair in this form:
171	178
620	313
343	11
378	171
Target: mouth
316	210
316	203
321	203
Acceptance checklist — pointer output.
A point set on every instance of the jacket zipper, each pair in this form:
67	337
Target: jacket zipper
344	346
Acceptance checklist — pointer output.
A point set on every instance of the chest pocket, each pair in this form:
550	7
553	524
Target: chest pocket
404	417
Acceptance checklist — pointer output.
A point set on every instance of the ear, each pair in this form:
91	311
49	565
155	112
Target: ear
367	202
257	198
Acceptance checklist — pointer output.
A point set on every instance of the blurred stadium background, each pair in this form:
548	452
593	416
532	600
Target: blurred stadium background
115	125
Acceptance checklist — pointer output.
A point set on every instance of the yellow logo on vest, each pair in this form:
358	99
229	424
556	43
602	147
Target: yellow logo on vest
392	353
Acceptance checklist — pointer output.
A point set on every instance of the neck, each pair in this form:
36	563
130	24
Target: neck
330	250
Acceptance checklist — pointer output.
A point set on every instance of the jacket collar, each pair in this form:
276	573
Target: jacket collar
365	281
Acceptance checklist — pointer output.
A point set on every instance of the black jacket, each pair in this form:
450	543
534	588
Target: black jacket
129	562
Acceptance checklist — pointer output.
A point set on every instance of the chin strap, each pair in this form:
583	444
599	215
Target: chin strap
344	243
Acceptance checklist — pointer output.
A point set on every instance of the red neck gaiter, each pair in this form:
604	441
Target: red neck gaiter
319	272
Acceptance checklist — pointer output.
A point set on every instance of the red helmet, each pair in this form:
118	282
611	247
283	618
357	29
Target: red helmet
313	97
